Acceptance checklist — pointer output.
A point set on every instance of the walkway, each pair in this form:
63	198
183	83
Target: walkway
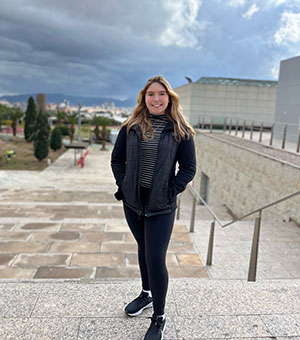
65	223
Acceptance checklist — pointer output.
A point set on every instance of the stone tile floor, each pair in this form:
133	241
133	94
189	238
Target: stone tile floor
55	227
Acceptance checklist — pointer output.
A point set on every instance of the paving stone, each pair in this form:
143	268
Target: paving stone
178	247
180	237
117	228
84	300
189	259
6	258
17	300
74	247
118	247
196	272
62	235
132	260
37	328
97	260
14	235
180	228
23	247
41	226
119	329
40	260
283	325
129	237
82	227
16	273
102	236
220	327
117	272
6	226
63	272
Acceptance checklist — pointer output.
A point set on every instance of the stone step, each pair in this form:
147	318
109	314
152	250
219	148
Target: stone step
101	248
195	310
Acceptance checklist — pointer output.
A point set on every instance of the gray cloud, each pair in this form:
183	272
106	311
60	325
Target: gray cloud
111	47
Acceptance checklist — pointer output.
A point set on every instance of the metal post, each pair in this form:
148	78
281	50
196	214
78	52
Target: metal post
178	209
252	128
236	127
211	124
79	120
244	128
254	250
192	223
272	134
284	137
224	125
261	131
230	126
210	244
202	123
298	144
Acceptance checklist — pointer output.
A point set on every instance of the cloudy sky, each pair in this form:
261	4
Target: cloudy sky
111	47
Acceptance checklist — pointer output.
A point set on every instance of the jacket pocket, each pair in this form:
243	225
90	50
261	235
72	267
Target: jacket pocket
171	193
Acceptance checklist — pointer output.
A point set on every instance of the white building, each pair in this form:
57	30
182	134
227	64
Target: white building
288	100
243	99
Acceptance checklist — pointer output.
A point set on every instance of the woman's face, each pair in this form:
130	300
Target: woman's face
157	99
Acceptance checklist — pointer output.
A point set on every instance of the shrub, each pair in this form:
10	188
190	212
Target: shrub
55	142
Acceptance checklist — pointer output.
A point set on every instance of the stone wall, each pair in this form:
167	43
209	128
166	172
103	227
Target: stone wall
244	180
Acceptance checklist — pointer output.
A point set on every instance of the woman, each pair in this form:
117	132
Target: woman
149	145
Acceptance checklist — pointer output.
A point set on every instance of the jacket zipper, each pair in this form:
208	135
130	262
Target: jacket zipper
150	191
141	212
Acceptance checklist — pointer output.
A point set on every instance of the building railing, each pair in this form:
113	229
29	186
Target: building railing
255	240
243	127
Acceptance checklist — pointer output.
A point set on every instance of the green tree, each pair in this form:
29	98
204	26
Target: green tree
41	136
103	133
60	118
30	118
3	114
72	119
14	115
55	142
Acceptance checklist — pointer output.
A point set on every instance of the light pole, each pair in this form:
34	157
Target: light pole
79	120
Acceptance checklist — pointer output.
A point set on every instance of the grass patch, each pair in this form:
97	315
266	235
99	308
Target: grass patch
25	159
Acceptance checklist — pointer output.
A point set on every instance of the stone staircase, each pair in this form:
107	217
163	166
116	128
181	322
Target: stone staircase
68	265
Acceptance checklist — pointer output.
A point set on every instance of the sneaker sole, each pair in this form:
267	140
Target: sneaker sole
141	310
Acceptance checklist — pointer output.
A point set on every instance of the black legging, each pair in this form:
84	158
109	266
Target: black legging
152	235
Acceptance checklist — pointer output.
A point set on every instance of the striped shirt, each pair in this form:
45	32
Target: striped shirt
149	149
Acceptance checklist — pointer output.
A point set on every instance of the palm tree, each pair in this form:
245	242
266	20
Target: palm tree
14	115
101	135
60	117
72	119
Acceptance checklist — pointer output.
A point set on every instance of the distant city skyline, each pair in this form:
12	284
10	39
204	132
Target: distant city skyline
110	48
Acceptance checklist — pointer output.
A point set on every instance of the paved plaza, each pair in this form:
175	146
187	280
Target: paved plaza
68	265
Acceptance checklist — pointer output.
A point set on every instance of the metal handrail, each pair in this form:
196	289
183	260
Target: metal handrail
256	233
260	126
197	195
262	208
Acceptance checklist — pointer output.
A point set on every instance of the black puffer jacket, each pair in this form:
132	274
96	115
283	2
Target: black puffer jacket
166	184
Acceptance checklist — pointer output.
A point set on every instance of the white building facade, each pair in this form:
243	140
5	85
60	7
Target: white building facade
237	99
288	100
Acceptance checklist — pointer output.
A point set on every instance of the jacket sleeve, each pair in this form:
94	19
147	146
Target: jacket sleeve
118	157
186	158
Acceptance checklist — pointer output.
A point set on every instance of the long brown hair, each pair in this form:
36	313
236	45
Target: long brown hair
140	116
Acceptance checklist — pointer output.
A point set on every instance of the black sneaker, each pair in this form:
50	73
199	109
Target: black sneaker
137	306
156	329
